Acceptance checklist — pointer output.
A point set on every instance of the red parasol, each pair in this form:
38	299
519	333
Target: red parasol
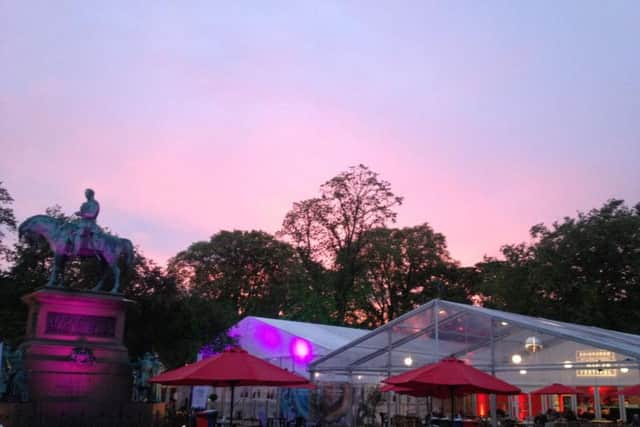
555	388
231	368
402	390
451	377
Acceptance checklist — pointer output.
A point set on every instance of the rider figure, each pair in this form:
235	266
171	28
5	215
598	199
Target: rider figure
87	226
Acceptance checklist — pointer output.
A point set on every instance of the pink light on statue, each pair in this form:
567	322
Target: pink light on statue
301	350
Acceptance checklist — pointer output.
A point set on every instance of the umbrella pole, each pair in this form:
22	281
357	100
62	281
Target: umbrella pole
231	415
452	404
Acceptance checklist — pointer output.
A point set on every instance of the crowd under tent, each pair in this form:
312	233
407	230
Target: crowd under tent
528	352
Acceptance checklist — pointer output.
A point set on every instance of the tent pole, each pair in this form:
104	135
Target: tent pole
492	397
389	373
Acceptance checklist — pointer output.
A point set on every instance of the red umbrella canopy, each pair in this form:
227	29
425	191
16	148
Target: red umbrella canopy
233	367
415	392
451	376
402	390
556	388
633	390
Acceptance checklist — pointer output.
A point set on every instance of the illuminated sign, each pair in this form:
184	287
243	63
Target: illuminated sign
596	363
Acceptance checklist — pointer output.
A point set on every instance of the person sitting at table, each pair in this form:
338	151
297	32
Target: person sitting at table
569	415
552	414
457	419
540	419
589	414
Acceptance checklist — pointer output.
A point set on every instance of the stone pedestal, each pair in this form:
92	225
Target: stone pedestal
73	350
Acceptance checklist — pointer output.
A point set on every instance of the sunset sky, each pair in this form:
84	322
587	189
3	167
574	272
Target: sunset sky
188	118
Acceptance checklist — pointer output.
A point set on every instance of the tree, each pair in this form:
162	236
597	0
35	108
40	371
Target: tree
7	218
507	284
331	229
584	270
404	268
31	264
248	272
167	320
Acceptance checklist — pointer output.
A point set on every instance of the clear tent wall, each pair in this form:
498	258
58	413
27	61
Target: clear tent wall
525	351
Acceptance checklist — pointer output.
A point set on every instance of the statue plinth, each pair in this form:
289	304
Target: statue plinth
74	351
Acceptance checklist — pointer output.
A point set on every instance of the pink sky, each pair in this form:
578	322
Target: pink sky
190	120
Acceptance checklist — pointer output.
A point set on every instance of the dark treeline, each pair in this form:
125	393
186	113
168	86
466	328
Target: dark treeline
338	259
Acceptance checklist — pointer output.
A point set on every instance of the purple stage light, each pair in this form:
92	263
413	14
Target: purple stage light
301	350
268	336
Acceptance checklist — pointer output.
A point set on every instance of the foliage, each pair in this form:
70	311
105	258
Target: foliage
166	320
331	229
247	272
29	271
508	284
402	269
584	270
7	218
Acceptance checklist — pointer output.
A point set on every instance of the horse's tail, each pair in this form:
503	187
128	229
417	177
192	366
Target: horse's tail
129	251
22	228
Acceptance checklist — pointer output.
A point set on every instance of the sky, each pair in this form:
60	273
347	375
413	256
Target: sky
188	118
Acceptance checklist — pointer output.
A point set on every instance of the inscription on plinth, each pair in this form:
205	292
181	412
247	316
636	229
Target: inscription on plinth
80	324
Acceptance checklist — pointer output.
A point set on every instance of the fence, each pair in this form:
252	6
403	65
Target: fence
63	415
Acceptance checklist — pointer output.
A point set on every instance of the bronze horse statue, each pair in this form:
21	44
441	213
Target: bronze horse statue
63	238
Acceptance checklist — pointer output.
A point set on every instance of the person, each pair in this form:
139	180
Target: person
87	225
4	378
541	419
590	414
211	411
457	420
171	408
569	415
211	401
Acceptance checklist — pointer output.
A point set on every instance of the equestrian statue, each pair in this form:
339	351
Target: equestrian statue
80	238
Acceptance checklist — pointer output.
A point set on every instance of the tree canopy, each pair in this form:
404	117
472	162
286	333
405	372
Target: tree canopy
582	270
7	219
339	261
402	269
331	229
250	272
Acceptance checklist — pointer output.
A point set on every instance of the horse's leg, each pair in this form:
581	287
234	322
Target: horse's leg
105	271
54	273
116	276
55	270
61	260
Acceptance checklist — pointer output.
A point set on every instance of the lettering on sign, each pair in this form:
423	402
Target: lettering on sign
80	324
596	363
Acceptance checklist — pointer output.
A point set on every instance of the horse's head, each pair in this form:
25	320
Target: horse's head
40	225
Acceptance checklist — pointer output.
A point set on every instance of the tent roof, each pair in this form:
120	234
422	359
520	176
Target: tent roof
327	336
485	337
604	338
